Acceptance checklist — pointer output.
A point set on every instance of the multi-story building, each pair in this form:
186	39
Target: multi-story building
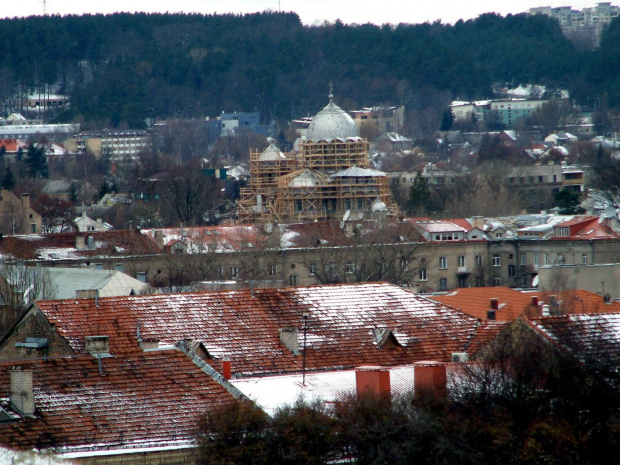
116	144
501	113
52	132
588	21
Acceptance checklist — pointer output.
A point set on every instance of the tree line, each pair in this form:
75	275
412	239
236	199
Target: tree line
123	68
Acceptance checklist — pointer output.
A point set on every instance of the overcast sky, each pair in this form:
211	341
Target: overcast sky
310	11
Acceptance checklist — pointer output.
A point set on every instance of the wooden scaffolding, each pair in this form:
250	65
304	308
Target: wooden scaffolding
328	179
330	157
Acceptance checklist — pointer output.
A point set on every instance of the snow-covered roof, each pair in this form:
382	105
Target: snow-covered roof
247	325
356	171
137	402
65	281
273	392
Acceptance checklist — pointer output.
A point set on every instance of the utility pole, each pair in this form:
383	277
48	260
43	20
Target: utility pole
305	316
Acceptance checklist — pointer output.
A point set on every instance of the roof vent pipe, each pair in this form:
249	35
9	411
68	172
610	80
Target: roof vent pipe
546	310
490	314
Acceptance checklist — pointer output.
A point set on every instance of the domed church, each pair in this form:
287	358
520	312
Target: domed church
329	177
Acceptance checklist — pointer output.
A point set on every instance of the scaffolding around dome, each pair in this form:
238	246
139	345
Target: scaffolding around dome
328	177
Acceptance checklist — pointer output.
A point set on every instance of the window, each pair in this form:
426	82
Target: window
497	281
233	271
584	259
535	259
546	259
141	276
33	227
273	269
312	268
522	259
560	259
292	280
422	274
479	281
512	271
443	284
220	272
119	267
349	268
498	235
497	261
461	261
479	260
462	281
443	263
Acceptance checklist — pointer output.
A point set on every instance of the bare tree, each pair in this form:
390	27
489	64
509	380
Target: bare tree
374	251
20	287
191	195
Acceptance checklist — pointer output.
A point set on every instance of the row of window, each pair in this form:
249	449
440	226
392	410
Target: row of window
497	260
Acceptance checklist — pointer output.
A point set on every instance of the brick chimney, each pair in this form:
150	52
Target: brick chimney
430	380
373	380
494	303
226	367
22	392
535	300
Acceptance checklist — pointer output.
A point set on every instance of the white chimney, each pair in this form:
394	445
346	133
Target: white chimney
22	392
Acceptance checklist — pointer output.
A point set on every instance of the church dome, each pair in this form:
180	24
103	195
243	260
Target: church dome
331	123
271	153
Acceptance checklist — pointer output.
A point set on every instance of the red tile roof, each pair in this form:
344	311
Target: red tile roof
212	238
13	145
475	301
586	227
138	400
584	336
344	324
110	243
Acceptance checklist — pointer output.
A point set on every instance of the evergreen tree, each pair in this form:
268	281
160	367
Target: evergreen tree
8	180
568	202
447	120
36	162
418	193
2	152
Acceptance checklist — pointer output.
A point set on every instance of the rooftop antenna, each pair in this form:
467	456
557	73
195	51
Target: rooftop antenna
44	8
331	92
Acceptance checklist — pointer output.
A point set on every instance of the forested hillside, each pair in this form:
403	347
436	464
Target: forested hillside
122	68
